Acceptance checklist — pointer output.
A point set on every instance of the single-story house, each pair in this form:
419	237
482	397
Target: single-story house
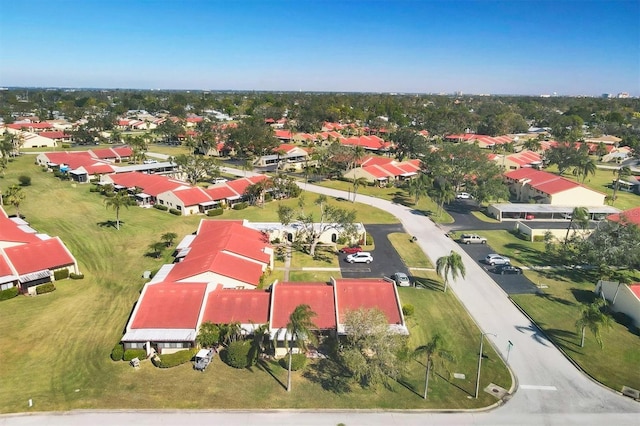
518	160
280	232
382	171
116	154
145	187
628	216
369	143
285	156
483	141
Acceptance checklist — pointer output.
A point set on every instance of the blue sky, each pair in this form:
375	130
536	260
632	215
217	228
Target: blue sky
499	47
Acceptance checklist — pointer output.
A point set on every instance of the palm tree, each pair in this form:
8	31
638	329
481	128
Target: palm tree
169	237
299	329
259	341
156	248
621	173
435	350
594	319
418	187
15	196
451	264
443	194
585	168
230	332
116	202
580	216
356	183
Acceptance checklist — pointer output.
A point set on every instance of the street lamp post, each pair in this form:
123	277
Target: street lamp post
480	360
509	346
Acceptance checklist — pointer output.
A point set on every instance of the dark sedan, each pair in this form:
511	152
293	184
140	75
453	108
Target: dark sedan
506	269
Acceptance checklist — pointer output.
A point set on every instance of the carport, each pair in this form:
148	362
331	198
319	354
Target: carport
509	211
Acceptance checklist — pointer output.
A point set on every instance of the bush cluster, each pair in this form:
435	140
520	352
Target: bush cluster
161	207
117	353
240	206
174	359
66	146
75	276
368	239
237	354
538	238
408	310
298	362
9	293
24	180
175	212
215	212
61	274
94	188
130	354
45	288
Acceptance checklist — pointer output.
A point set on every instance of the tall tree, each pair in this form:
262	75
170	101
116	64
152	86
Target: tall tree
584	168
450	265
259	341
579	217
15	196
116	202
408	143
566	156
592	317
299	329
620	174
436	351
418	187
371	350
169	238
197	168
357	182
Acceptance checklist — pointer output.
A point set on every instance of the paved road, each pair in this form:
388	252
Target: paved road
551	391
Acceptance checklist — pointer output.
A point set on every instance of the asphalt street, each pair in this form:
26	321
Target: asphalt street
548	389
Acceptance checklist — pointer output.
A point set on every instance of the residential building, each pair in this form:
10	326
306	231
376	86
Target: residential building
531	185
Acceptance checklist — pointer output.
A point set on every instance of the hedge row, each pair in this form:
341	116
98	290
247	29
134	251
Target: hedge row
298	362
161	207
61	274
45	288
175	212
117	352
240	206
174	359
75	276
214	212
130	354
9	293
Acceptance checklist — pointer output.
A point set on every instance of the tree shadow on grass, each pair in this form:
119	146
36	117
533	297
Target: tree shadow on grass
402	382
583	296
529	255
563	337
109	224
330	375
554	299
267	367
427	283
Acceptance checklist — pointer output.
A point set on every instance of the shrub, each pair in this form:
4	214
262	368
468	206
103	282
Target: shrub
66	145
298	362
408	310
538	238
174	359
368	239
215	212
268	197
75	276
24	180
61	274
94	189
237	354
175	212
9	293
45	288
240	206
117	353
130	354
161	207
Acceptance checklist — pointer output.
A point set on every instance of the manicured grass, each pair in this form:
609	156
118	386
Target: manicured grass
558	307
325	258
398	195
56	346
483	217
313	276
410	253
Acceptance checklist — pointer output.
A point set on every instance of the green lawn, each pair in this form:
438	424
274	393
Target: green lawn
397	195
558	307
325	258
410	253
56	346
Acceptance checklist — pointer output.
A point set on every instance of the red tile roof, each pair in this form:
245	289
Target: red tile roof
149	184
319	296
635	289
372	160
368	142
225	306
10	232
169	305
283	134
108	153
220	192
192	196
5	269
40	255
195	266
39	126
367	293
240	185
556	186
233	237
631	216
55	135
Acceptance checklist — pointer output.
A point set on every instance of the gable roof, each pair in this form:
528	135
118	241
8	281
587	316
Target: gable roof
169	305
149	183
12	232
377	293
225	306
287	296
192	196
39	255
631	216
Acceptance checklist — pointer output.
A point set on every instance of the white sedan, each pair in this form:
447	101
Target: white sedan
463	196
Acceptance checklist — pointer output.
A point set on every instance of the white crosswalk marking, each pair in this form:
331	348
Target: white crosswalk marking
536	387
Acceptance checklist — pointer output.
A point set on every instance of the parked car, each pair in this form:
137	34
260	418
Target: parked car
150	161
529	216
350	249
472	238
506	269
463	196
361	257
401	279
496	259
219	180
203	359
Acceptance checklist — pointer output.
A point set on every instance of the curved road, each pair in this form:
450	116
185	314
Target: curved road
551	391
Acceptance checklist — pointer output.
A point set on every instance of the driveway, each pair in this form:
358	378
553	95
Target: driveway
386	259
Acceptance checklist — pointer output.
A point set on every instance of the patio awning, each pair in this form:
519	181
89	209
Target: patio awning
142	195
34	276
234	197
208	203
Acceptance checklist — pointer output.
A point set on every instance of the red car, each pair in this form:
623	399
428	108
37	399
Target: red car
350	250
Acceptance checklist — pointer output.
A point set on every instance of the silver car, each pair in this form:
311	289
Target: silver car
495	259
